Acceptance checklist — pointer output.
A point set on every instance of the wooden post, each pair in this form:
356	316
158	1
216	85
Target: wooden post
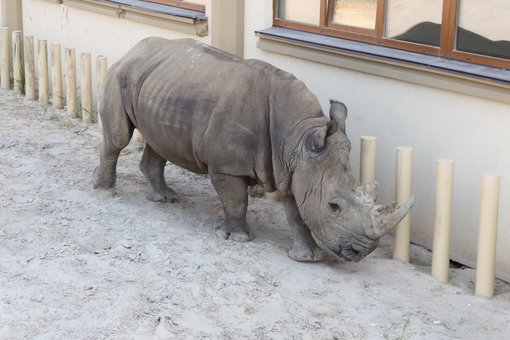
367	159
29	68
43	73
101	68
17	61
442	220
72	106
5	60
487	236
86	88
56	77
403	193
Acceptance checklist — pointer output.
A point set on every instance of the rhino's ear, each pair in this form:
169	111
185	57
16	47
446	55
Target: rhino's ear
316	141
338	113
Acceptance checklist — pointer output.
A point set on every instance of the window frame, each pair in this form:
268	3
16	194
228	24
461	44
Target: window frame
181	4
446	49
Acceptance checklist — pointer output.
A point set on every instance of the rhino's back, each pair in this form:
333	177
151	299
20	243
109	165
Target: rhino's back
199	107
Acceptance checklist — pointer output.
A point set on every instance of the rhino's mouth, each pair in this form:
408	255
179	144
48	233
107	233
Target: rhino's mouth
352	249
353	252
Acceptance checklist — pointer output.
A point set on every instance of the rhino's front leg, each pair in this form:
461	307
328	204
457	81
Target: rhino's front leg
152	166
304	249
233	194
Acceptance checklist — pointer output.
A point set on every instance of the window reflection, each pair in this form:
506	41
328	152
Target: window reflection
414	21
303	11
357	13
484	27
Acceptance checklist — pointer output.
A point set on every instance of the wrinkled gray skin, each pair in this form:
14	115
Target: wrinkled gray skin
244	122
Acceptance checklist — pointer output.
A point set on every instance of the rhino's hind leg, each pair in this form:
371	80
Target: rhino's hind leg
233	194
152	166
117	131
304	249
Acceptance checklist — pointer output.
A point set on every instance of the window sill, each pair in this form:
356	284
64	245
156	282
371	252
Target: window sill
168	17
451	75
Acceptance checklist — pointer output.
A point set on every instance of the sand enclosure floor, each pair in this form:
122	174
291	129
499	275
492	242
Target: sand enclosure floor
77	263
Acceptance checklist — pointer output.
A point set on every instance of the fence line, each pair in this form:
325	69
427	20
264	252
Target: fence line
18	72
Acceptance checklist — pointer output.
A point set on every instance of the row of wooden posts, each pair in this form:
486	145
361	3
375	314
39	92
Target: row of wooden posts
23	71
489	210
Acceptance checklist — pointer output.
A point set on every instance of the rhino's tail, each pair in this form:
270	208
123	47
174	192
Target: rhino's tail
117	131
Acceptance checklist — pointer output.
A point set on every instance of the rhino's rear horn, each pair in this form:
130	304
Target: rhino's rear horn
316	141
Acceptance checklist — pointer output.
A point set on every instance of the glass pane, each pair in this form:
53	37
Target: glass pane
484	27
357	13
198	2
305	11
414	21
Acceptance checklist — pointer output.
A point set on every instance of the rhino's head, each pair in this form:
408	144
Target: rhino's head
340	212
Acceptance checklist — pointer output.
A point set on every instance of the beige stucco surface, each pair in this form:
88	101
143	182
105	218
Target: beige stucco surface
88	31
11	14
438	124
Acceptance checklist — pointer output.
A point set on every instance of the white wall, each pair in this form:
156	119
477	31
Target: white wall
436	123
10	14
88	31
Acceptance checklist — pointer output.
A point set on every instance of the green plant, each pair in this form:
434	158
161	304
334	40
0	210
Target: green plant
57	116
20	84
63	99
44	107
402	336
90	116
140	147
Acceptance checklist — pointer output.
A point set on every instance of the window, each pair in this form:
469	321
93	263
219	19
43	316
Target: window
484	30
196	5
361	14
305	11
469	30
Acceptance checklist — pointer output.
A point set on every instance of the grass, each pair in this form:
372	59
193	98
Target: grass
140	147
88	114
44	107
59	116
20	84
403	335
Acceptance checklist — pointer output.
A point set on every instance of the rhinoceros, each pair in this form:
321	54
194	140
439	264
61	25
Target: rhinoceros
244	122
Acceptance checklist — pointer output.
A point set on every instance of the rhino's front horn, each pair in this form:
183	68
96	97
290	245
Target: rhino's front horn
386	217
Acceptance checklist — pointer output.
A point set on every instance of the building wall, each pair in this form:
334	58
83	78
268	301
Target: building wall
438	124
88	31
11	14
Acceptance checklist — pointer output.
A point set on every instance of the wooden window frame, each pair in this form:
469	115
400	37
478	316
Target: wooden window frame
181	4
447	48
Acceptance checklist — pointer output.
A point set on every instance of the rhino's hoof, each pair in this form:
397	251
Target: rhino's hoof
101	181
237	236
302	253
241	236
168	196
222	233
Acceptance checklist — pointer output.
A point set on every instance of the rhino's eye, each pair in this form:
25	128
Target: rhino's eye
335	208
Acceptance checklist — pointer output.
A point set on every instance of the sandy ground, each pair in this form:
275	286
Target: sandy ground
76	263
